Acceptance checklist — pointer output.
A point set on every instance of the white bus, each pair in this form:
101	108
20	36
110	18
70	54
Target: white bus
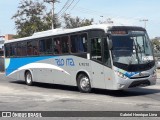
96	56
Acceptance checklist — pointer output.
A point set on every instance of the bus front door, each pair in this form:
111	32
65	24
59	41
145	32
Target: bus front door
97	63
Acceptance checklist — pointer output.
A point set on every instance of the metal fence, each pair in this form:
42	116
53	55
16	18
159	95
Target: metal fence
1	64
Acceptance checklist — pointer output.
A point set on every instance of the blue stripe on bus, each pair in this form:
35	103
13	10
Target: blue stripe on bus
16	63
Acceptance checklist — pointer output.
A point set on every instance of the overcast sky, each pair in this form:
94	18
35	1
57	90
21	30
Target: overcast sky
128	12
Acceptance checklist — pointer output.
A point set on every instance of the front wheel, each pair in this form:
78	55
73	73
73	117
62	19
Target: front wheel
28	78
83	83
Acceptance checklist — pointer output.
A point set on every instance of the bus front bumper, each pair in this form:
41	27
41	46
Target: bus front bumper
132	83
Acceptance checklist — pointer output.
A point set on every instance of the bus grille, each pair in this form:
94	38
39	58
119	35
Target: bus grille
140	83
139	77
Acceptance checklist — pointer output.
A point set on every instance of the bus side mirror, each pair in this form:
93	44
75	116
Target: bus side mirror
109	42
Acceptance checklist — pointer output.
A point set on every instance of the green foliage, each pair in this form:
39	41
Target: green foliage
71	22
32	17
156	44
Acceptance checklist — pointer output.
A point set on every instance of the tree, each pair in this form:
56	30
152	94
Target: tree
71	22
31	17
156	44
48	19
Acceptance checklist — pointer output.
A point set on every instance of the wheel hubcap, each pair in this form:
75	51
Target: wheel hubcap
85	83
29	78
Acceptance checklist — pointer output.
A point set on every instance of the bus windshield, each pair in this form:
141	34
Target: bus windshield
132	48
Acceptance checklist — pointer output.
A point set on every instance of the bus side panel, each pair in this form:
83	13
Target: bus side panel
82	65
70	65
15	67
21	75
42	75
51	69
13	76
103	77
97	75
10	67
46	71
109	78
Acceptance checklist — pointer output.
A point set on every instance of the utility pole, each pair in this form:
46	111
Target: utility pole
145	22
109	21
52	1
101	21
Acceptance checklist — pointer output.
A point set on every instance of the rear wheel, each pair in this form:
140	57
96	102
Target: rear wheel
28	78
83	83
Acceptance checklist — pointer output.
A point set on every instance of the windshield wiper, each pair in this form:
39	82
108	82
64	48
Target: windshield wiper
130	60
136	49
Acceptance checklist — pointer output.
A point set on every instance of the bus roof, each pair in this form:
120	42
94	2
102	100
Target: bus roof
60	31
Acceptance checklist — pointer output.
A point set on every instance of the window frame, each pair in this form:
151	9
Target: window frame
7	56
101	49
44	53
53	37
15	54
79	34
103	53
69	44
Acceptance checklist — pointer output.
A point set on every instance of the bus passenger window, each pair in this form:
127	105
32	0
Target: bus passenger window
96	49
79	43
35	47
29	48
74	38
65	44
7	50
42	47
19	51
57	46
13	49
45	46
23	48
48	46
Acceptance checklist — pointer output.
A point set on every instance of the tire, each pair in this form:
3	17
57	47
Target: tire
28	78
83	83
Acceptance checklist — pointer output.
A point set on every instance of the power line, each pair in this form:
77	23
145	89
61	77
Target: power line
74	6
95	13
98	13
67	8
64	6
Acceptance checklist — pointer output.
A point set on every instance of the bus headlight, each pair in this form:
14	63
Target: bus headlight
121	75
154	74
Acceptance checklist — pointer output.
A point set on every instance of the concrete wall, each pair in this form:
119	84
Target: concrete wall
9	36
1	64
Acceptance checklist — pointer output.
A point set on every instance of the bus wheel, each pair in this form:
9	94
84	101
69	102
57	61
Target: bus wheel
83	83
28	78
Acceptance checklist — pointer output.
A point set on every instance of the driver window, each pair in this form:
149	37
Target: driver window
96	49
